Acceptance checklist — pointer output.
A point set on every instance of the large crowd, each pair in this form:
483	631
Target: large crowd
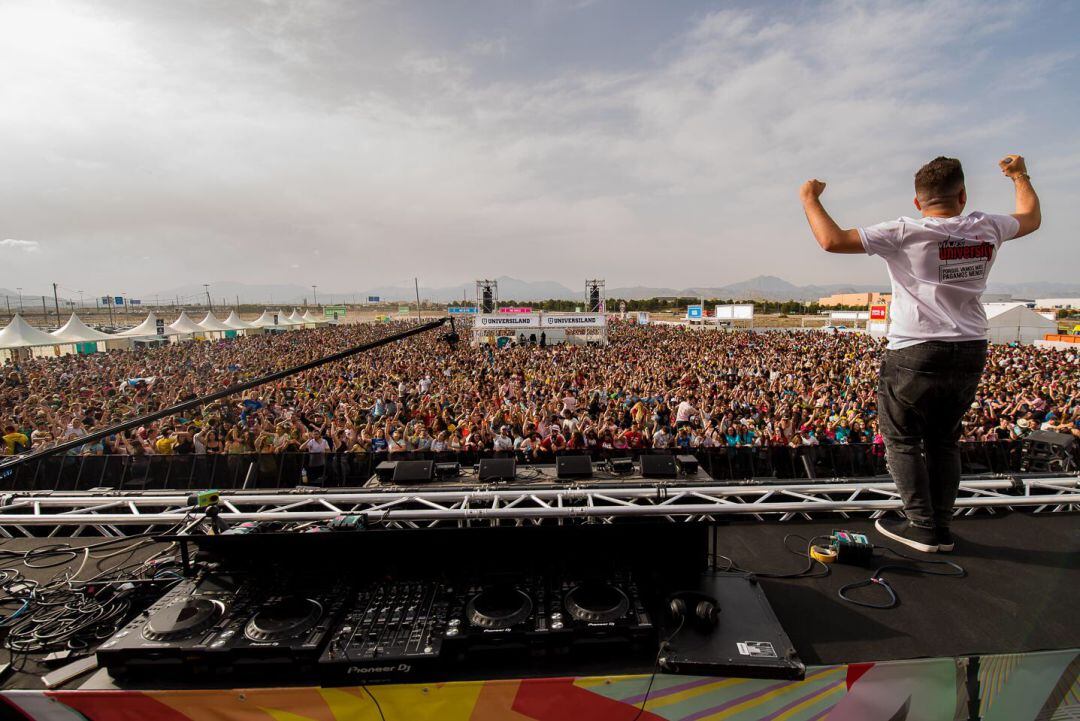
651	387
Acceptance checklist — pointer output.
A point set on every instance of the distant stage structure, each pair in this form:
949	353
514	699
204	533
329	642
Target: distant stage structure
540	329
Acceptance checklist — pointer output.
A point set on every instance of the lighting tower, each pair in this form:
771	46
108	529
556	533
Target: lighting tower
595	296
487	295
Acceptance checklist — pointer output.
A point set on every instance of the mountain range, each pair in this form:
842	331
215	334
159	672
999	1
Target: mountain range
762	287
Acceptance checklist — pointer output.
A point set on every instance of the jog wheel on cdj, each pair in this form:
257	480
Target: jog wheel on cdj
498	607
183	618
596	603
283	617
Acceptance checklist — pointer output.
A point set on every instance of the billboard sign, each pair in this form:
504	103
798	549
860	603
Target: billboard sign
694	312
849	315
373	299
119	300
333	311
135	301
461	309
741	311
511	309
878	312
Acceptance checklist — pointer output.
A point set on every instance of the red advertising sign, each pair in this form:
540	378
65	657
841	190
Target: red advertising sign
878	312
515	310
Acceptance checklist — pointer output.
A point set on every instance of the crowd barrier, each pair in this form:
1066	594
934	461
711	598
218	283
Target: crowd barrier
286	470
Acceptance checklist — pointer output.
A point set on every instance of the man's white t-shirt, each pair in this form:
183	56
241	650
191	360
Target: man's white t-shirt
317	446
684	411
938	268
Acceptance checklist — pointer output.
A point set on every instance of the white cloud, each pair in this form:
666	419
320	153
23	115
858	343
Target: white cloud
26	246
497	46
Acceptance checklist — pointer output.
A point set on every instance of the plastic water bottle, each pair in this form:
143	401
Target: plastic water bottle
303	476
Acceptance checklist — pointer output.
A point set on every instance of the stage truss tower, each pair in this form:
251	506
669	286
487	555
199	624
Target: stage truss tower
487	296
595	296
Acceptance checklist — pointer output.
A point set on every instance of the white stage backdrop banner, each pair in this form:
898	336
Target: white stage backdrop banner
505	320
574	320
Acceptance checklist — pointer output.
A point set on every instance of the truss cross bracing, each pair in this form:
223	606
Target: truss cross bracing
112	513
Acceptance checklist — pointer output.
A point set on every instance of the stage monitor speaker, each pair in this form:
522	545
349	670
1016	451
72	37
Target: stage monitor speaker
448	470
414	471
687	463
573	466
385	471
497	469
658	466
488	301
1049	451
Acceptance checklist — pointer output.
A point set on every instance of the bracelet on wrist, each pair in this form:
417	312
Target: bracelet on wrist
1021	175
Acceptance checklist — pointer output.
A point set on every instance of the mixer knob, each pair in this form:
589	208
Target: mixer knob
556	616
556	625
452	632
454	622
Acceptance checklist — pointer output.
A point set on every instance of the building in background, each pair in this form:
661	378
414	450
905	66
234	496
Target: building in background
854	299
1057	303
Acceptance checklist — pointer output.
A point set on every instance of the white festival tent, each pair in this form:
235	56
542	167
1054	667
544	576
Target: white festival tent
146	329
266	320
1016	323
296	317
285	319
211	322
234	321
309	318
20	334
75	331
185	325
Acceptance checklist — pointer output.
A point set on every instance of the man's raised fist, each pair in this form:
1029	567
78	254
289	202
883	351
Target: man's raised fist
811	189
1013	165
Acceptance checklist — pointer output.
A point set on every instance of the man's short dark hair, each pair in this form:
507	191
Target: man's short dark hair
939	180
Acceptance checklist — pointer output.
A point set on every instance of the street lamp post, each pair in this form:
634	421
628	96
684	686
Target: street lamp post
314	295
20	299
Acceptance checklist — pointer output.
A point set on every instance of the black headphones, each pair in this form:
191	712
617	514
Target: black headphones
706	608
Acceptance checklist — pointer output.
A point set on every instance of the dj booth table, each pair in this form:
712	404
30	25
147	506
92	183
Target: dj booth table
1001	643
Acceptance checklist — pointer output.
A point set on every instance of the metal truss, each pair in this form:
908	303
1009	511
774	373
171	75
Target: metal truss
116	513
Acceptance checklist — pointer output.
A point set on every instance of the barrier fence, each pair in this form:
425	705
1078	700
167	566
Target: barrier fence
285	470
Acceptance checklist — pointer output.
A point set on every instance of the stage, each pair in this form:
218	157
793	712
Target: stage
1023	575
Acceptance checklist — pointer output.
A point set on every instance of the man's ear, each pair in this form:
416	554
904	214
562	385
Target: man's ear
915	200
963	198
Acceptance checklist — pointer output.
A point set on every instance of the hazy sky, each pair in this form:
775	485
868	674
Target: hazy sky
352	144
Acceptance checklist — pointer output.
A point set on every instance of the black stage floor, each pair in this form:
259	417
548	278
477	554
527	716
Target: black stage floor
1023	579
